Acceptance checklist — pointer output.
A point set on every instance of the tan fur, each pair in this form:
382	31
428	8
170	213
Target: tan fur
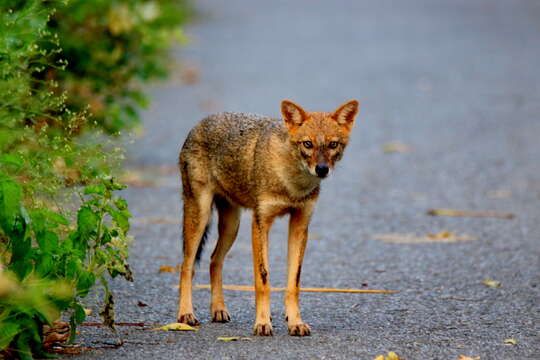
271	166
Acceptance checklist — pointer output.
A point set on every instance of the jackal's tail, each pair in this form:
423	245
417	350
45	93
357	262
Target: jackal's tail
202	243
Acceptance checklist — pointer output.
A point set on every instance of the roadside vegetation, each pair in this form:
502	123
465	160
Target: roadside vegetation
70	79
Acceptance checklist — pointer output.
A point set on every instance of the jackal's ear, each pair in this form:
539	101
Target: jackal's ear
345	114
293	114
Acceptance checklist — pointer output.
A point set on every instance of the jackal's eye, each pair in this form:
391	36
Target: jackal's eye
308	144
333	144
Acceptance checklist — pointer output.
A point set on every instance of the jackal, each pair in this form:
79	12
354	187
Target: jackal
273	167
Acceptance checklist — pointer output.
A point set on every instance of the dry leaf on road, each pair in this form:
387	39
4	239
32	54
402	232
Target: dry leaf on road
156	220
510	341
464	357
451	212
396	147
176	327
492	283
232	338
499	194
391	356
444	236
166	268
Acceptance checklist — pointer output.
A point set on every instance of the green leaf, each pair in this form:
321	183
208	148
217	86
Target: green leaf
8	331
79	315
95	189
85	282
11	159
45	264
120	204
47	241
10	205
120	218
87	221
55	217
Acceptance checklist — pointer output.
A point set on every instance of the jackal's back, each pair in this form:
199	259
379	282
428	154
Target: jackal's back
225	151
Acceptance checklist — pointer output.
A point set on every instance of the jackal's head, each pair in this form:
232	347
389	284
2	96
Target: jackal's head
319	138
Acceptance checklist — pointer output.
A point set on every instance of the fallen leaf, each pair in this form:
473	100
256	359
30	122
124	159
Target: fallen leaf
56	334
441	237
210	105
330	290
166	268
141	304
230	338
463	357
136	179
156	220
445	234
190	74
391	356
396	147
499	194
510	341
176	327
116	324
233	338
451	212
492	283
88	312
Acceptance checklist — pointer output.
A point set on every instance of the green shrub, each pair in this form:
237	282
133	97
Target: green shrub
66	74
61	263
111	47
70	73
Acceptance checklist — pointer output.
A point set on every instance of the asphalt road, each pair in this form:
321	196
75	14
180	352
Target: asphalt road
458	82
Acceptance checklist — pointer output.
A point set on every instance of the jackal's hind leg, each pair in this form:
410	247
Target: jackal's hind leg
197	210
229	220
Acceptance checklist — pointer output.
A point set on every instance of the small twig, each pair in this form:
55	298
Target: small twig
349	291
139	324
460	298
485	214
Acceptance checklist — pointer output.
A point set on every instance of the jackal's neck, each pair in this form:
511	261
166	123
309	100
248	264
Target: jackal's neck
291	171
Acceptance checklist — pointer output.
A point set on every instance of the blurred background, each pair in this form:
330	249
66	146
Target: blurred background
449	95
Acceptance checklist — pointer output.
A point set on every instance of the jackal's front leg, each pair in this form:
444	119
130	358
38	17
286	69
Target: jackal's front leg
263	324
298	234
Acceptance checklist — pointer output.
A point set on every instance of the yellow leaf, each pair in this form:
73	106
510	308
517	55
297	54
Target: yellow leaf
176	327
451	212
396	147
231	338
391	356
445	234
441	237
166	268
120	19
88	312
499	194
463	357
510	341
492	283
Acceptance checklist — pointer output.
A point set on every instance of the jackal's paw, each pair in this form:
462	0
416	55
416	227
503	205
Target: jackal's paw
299	330
189	319
220	316
262	329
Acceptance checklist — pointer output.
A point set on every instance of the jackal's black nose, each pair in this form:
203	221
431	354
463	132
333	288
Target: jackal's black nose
321	170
